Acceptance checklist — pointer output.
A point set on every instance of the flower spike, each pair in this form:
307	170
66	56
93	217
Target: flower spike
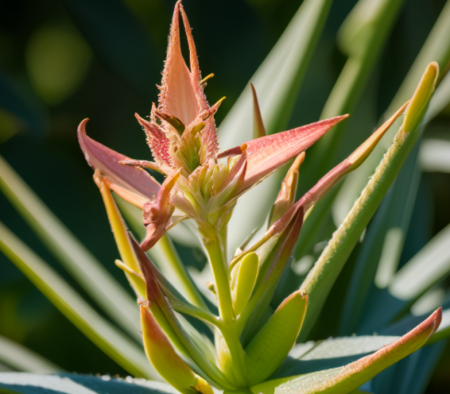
131	183
177	96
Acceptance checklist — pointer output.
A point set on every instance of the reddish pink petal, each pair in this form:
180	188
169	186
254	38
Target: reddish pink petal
177	96
131	183
266	154
157	140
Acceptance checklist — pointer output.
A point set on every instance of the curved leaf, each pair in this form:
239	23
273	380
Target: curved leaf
107	337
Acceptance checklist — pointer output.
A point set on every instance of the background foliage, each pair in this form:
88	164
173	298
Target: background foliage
62	61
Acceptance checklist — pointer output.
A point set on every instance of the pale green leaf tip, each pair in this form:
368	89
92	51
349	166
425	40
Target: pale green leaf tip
421	97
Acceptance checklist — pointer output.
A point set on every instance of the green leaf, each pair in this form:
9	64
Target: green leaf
322	277
348	378
277	82
270	346
429	266
23	359
434	155
333	352
108	338
436	48
363	35
70	252
381	250
26	383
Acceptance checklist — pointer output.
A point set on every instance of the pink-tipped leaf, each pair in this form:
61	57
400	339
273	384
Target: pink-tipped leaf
349	378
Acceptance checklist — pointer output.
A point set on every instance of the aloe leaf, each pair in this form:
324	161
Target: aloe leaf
348	378
70	252
434	155
321	278
277	82
270	346
336	352
413	374
429	266
27	383
113	342
23	359
380	252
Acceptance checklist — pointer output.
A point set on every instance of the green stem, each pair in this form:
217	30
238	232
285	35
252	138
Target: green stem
217	259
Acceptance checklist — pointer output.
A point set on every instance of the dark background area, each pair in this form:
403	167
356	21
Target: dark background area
72	59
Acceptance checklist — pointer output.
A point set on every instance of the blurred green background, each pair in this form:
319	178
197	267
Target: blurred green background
62	61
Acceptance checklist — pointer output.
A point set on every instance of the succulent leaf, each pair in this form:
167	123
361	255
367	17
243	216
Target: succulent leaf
162	355
348	378
273	342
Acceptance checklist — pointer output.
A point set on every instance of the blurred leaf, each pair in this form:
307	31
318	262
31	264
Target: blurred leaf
363	36
25	383
429	266
277	82
70	252
20	358
322	277
120	348
26	114
436	48
57	60
435	155
440	99
117	37
412	374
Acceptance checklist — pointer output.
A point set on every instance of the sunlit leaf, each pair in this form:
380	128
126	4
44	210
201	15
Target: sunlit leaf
26	383
23	359
95	279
